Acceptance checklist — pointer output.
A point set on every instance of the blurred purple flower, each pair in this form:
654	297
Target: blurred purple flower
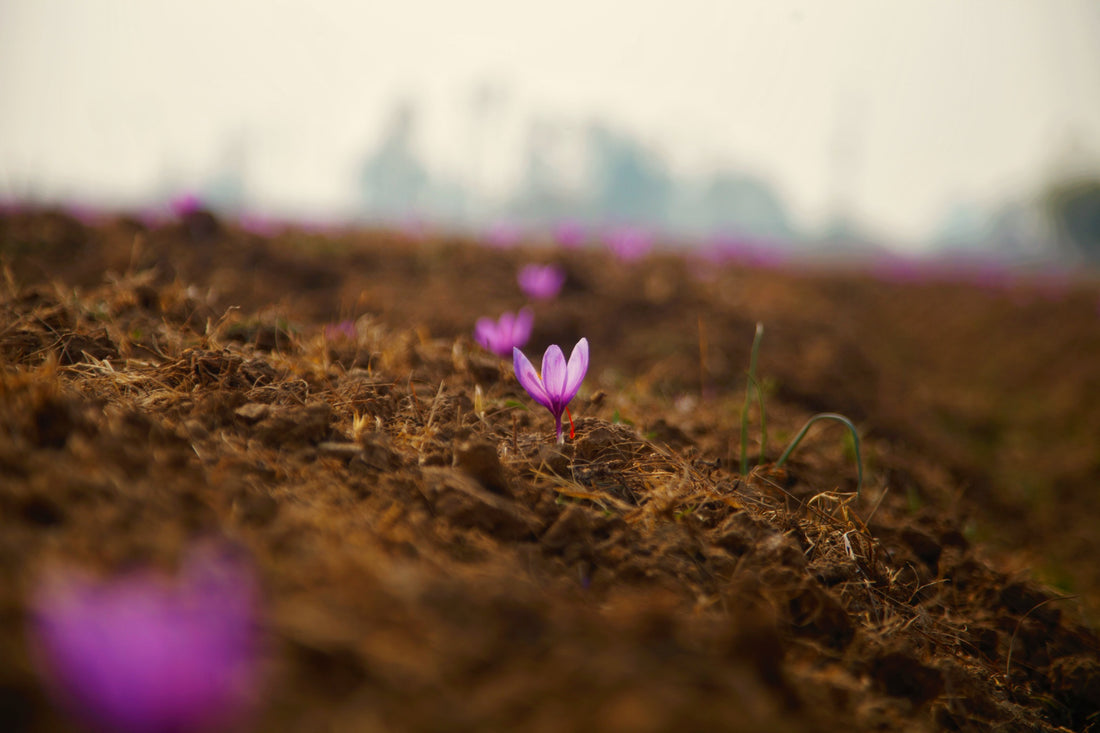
10	206
1053	284
748	251
503	235
983	271
185	204
501	336
629	243
541	282
87	214
342	331
570	234
893	267
140	654
414	228
559	381
259	224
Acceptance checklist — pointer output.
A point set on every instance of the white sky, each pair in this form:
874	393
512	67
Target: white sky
934	100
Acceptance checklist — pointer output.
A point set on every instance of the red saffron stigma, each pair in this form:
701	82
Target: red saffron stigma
572	434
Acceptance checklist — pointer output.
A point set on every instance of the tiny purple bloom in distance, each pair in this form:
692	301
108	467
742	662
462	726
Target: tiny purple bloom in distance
503	235
342	331
142	654
570	234
185	204
559	381
541	282
258	224
501	336
629	243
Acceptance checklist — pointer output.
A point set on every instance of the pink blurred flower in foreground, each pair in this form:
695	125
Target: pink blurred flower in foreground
501	336
140	654
629	243
541	282
559	381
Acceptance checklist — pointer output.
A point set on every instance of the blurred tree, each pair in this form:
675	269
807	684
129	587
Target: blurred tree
730	202
393	181
1018	228
631	183
550	189
1073	207
735	202
965	226
227	190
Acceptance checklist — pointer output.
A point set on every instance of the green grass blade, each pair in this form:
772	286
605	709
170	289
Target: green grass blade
763	417
805	428
749	387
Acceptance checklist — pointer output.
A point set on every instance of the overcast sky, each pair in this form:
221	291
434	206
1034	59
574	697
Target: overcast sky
907	104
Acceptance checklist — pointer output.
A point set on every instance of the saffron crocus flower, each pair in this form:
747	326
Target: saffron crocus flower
559	381
140	654
504	334
541	282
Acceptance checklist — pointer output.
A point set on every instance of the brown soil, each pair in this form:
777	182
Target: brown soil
431	561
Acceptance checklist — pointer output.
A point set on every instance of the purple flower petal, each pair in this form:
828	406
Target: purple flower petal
541	282
484	330
553	376
578	367
521	329
139	654
529	379
509	331
506	326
